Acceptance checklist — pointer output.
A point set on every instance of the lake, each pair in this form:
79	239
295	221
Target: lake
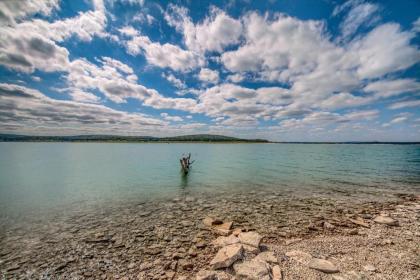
37	177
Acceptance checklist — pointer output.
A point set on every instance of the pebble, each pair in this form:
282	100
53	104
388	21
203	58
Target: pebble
370	268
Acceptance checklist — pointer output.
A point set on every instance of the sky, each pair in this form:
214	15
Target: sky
285	70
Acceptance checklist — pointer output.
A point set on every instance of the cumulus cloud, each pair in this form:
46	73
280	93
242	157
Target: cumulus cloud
163	55
214	33
31	44
208	76
167	117
174	80
29	109
12	11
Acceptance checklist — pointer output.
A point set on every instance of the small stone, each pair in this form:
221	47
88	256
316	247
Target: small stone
385	220
327	225
323	265
251	238
276	271
252	270
299	256
226	256
370	268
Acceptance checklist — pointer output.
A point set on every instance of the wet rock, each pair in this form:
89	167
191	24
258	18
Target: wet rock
252	270
227	255
385	220
299	256
250	238
323	265
212	275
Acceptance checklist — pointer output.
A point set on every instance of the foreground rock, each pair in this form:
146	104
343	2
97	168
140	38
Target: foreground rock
251	238
226	256
299	256
252	270
385	220
323	265
212	275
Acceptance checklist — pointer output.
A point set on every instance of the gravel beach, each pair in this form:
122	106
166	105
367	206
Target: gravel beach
252	235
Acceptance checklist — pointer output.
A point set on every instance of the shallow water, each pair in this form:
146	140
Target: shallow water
41	176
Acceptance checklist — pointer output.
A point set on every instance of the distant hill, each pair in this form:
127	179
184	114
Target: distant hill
116	138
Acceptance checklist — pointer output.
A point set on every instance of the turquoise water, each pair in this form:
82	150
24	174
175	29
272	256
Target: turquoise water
38	176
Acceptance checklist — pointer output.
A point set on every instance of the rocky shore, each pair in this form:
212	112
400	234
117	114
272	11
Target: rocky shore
253	235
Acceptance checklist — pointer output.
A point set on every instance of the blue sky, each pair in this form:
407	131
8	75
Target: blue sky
281	69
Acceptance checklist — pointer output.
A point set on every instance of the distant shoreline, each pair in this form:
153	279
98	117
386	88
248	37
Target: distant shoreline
196	138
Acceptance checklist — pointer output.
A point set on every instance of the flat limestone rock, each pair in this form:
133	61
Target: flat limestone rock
223	228
251	238
276	271
252	270
359	221
251	249
385	220
212	275
323	265
227	255
223	241
299	256
267	256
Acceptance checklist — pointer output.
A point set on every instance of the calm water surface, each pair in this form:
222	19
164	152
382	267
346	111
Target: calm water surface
39	176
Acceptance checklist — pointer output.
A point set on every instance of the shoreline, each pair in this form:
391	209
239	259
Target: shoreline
167	239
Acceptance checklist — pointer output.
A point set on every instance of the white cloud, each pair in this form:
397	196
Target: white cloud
388	88
164	55
359	14
209	76
31	44
386	49
12	11
416	25
31	111
129	31
216	32
235	78
405	104
174	80
167	117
